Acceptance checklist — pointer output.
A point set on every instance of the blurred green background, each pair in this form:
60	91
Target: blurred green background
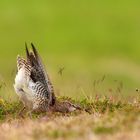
88	38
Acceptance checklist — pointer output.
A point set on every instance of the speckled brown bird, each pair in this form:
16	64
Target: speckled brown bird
33	85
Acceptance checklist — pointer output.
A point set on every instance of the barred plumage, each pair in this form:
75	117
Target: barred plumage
32	83
21	62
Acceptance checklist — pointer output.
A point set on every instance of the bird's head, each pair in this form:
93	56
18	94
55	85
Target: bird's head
65	107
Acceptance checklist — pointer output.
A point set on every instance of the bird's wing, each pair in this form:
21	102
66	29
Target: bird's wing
39	90
38	73
21	62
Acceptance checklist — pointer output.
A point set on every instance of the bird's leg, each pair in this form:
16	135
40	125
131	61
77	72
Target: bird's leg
21	111
29	113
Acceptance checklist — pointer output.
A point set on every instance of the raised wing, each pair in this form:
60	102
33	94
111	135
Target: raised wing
21	62
38	72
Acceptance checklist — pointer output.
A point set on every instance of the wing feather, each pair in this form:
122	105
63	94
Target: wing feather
21	62
38	73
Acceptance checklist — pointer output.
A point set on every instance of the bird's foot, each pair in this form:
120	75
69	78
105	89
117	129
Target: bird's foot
20	114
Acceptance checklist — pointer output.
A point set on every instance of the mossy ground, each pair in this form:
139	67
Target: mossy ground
101	118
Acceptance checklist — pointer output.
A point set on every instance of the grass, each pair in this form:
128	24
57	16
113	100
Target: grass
96	43
104	116
89	38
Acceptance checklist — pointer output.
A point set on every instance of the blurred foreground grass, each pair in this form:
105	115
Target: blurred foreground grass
107	118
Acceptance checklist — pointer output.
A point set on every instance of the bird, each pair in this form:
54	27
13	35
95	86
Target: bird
34	87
